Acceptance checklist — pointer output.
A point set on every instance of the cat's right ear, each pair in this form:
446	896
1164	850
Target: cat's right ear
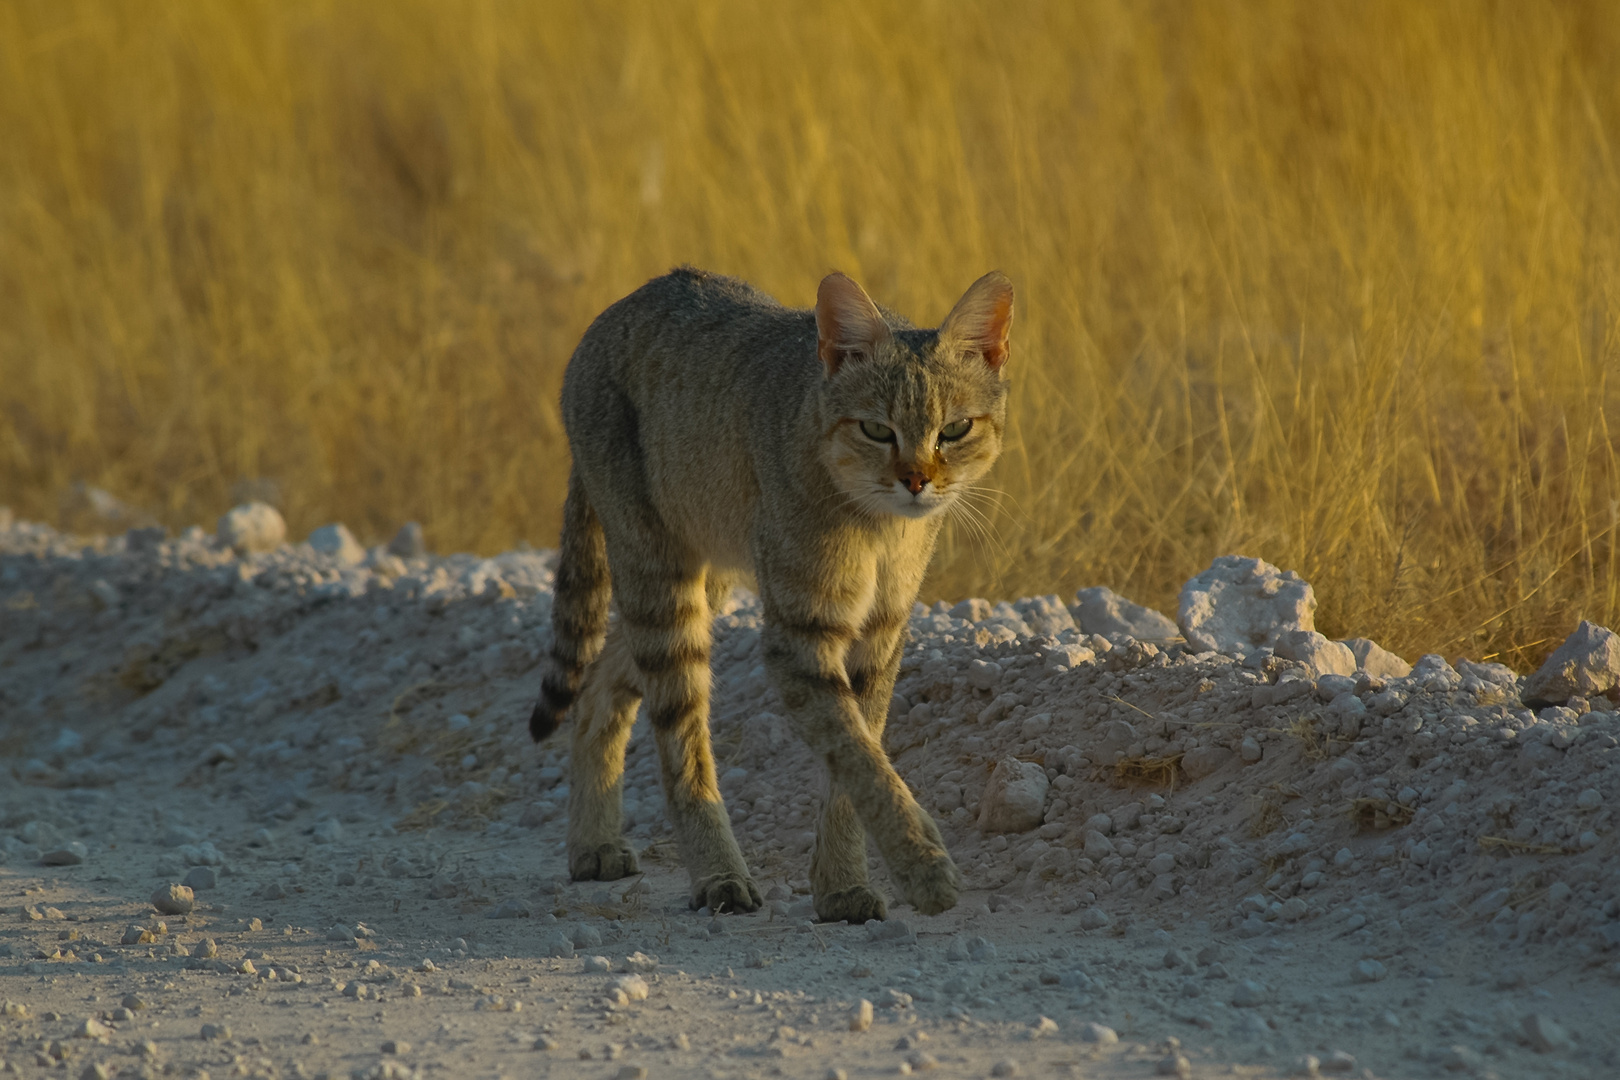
982	319
847	323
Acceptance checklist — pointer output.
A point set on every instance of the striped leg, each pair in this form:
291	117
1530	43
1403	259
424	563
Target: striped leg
809	631
604	712
838	877
666	617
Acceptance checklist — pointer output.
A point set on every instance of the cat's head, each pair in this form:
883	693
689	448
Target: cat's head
913	417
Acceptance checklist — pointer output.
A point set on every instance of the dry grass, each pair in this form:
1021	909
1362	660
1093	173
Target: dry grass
1379	814
1147	771
1329	283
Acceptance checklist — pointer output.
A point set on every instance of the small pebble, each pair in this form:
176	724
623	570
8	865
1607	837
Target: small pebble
1368	971
1004	1067
200	877
1173	1065
174	900
1250	993
633	987
92	1029
395	1046
860	1017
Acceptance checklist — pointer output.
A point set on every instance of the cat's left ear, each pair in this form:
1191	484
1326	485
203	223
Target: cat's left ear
983	317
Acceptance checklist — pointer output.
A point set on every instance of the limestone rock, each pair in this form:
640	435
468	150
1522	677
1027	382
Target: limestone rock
1100	610
1375	660
1014	799
1316	652
252	527
408	542
1045	614
174	900
1201	761
1240	604
337	542
1586	665
1544	1033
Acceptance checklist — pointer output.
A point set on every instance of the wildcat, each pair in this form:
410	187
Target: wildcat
718	436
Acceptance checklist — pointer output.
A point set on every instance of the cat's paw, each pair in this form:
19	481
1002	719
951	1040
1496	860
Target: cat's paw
725	893
853	905
602	862
930	884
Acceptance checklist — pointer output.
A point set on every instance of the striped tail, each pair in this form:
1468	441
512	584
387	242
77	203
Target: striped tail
579	610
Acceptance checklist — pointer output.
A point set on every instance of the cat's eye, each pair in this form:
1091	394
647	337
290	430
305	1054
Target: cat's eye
877	432
955	430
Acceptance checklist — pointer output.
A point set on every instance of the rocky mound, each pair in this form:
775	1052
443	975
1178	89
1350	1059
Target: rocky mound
1247	772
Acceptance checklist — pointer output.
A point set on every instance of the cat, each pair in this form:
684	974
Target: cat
720	437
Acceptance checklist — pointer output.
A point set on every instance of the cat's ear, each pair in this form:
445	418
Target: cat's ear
983	317
847	322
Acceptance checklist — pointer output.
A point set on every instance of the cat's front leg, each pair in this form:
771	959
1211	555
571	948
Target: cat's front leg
805	658
838	877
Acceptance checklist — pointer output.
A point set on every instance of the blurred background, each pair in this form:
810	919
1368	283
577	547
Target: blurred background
1329	283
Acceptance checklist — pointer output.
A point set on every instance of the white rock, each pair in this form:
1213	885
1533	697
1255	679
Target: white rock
1433	674
1097	1033
1045	615
633	987
1544	1033
1347	713
408	542
1375	660
1094	918
1316	652
1368	971
1240	604
1499	675
1014	799
860	1017
252	527
336	542
1100	610
984	674
1201	761
1586	665
1250	993
1098	846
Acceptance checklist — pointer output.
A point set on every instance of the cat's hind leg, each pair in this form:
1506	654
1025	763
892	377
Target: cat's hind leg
604	712
666	616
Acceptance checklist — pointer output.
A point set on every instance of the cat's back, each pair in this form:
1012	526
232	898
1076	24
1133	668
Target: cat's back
692	318
677	376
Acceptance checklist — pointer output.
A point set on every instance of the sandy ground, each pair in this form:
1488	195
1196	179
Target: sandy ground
333	754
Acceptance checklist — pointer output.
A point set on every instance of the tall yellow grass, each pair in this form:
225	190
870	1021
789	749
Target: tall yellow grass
1329	283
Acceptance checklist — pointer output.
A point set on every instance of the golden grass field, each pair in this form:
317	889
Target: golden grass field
1331	283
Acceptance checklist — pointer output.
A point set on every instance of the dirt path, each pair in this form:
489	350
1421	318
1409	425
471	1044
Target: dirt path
340	748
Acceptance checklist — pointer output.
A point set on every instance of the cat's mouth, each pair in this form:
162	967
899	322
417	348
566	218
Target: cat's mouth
925	503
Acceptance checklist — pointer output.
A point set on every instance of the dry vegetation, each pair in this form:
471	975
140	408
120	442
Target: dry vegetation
1329	283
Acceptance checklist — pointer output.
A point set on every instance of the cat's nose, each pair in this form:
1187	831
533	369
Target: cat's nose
914	481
